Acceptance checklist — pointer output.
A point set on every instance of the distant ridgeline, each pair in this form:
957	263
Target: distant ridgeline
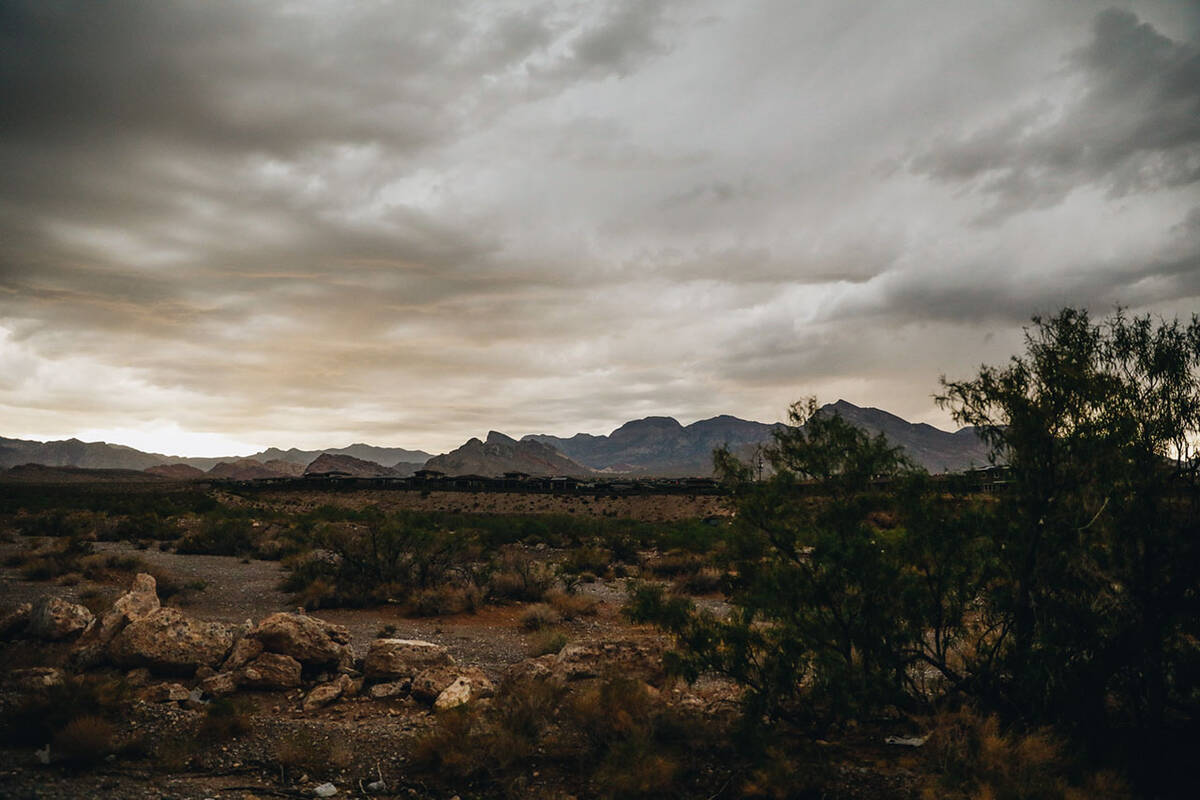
650	447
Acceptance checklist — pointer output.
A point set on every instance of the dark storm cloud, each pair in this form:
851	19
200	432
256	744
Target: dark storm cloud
1134	126
303	222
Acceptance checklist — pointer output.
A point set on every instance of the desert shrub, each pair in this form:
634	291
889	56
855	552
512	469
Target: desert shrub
140	527
387	631
442	600
55	524
539	616
1097	560
178	590
495	744
39	569
788	772
612	738
73	554
34	719
974	756
84	741
390	558
304	750
706	580
219	535
674	564
572	606
518	576
226	718
111	567
547	641
587	559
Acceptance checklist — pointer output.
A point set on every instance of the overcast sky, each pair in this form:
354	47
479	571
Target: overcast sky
226	225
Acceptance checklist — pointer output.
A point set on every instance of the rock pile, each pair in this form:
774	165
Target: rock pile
290	651
164	648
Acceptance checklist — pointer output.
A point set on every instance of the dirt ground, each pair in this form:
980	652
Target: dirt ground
356	740
366	731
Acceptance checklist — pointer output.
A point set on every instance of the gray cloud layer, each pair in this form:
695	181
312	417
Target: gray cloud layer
303	223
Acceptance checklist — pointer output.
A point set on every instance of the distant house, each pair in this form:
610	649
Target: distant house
474	482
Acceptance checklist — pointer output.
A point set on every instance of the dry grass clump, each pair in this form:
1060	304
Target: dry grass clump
674	564
84	741
73	718
518	576
613	738
306	751
975	758
547	642
539	616
471	744
226	718
572	606
55	559
442	600
595	560
706	580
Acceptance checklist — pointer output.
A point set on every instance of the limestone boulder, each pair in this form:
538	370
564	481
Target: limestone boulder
396	659
531	669
271	671
309	640
167	640
326	693
432	681
629	658
53	619
139	602
245	650
468	687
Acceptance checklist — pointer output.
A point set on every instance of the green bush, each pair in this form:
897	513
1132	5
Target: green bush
388	559
219	535
518	576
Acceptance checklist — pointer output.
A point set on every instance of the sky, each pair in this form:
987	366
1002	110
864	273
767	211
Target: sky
229	225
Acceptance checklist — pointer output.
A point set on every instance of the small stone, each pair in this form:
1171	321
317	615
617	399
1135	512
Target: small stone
165	693
53	618
325	694
220	685
325	790
36	679
137	677
382	691
272	671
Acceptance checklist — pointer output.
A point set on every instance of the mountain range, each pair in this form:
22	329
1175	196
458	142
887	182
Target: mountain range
101	455
654	446
500	454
